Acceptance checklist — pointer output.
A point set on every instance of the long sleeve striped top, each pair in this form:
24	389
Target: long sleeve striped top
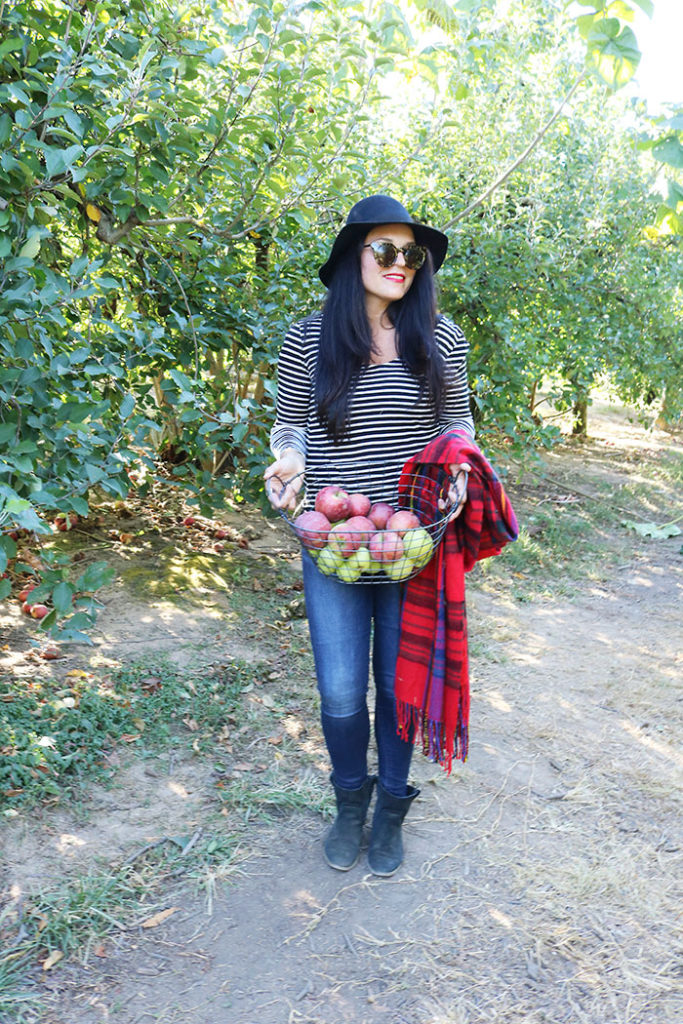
389	421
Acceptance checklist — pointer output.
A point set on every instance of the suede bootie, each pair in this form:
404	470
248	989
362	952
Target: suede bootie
385	854
342	844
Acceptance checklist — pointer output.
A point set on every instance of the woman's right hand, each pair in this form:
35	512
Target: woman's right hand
284	479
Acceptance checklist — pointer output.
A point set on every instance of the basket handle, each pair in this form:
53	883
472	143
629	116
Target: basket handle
284	484
456	485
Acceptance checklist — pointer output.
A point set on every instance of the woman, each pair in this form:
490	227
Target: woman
361	388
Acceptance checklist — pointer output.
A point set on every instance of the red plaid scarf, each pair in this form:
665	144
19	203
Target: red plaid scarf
432	678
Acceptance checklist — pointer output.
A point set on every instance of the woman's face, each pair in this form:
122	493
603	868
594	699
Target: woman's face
386	284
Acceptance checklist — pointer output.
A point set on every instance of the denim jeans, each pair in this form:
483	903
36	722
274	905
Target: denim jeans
346	621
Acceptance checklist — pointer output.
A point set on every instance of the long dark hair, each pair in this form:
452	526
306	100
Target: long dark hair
346	340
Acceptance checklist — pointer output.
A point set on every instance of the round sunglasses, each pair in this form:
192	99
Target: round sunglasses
386	254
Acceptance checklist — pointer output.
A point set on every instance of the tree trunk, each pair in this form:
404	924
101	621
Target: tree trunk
580	417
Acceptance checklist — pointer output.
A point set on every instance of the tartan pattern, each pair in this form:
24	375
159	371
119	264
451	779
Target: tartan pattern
432	672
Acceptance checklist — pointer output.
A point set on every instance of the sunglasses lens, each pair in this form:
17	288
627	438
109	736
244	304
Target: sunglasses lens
385	253
415	256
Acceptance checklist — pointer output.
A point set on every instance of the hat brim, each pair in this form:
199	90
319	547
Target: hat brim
434	240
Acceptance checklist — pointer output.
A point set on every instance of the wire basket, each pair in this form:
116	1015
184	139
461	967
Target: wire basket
364	542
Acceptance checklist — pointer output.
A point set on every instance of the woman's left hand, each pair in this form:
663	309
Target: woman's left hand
457	491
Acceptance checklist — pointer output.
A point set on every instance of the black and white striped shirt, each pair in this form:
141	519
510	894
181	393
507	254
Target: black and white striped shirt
388	420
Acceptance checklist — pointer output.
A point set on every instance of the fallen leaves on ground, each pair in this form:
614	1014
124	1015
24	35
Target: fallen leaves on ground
157	919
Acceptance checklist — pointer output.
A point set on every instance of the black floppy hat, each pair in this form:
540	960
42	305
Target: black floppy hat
375	210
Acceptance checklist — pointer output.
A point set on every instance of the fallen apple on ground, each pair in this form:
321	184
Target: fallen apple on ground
64	522
50	652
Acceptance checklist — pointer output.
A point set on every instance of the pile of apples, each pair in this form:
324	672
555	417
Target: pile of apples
350	536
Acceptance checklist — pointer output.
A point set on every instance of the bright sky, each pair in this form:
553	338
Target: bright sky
659	78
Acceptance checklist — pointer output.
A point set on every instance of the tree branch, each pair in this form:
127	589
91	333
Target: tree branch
106	232
520	159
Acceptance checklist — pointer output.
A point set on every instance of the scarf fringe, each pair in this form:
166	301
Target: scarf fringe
440	744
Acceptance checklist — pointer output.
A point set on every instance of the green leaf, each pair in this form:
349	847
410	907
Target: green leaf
80	505
58	161
22	514
669	151
30	248
7	431
5	589
97	575
62	597
74	122
645	5
8	547
652	529
127	406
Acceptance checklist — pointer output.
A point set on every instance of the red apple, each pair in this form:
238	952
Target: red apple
380	514
312	529
50	652
220	533
361	527
189	521
65	522
402	521
342	540
385	546
39	611
333	502
23	594
359	504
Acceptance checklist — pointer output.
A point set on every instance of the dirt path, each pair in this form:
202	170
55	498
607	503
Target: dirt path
541	882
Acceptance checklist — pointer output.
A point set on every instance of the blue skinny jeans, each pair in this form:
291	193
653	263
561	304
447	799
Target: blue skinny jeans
345	621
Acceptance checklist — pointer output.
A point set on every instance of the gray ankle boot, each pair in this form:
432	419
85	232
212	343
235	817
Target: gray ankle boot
342	845
385	854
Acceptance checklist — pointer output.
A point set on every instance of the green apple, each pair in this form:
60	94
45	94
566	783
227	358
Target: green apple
362	559
418	546
348	572
374	566
329	561
400	569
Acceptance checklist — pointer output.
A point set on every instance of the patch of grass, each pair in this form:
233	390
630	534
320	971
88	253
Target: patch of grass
667	468
54	735
52	923
561	547
265	797
80	913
